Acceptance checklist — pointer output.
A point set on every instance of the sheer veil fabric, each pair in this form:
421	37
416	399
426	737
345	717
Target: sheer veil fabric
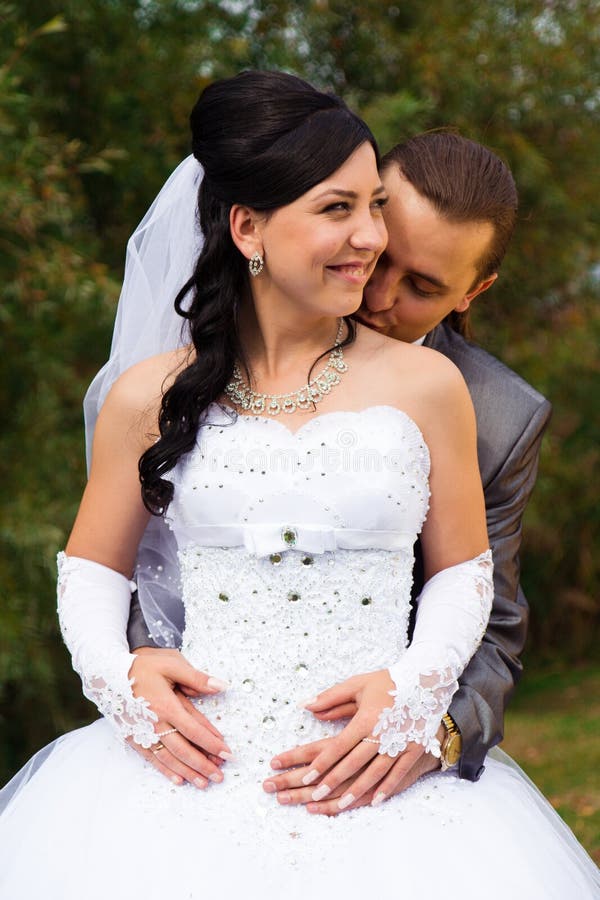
160	258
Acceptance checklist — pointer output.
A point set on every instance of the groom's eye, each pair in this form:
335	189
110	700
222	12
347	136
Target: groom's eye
419	290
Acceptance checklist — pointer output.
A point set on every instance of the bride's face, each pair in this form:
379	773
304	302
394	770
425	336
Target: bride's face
321	249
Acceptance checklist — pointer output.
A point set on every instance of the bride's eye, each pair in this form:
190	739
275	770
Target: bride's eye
340	206
380	203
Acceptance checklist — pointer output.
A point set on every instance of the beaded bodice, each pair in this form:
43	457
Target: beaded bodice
296	561
349	480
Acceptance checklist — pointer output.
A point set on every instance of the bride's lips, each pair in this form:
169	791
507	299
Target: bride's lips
352	272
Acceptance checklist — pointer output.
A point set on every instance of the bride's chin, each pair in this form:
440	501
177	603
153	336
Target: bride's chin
350	305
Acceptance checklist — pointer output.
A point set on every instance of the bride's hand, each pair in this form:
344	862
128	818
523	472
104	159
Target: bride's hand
290	790
195	750
347	771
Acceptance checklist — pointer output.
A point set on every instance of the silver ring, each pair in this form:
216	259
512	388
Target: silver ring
160	734
369	740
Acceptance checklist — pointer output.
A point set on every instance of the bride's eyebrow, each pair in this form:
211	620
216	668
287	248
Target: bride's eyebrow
348	195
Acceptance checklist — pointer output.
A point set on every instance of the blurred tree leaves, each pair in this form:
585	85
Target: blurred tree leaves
57	305
94	100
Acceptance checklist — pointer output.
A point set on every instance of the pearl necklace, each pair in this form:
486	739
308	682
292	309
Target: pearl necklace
241	394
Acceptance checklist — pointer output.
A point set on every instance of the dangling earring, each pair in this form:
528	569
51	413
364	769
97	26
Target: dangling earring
256	264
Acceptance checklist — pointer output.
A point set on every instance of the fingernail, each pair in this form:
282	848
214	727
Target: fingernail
283	797
320	792
302	703
217	684
216	777
346	800
200	782
310	776
378	798
176	780
225	754
270	787
276	764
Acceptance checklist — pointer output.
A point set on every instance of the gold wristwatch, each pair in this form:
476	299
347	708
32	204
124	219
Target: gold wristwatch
452	743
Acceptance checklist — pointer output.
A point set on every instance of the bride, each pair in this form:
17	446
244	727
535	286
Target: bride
294	457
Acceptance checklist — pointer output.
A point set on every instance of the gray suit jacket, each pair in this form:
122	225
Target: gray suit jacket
511	417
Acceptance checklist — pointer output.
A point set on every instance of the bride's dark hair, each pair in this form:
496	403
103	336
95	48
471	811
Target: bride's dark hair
263	140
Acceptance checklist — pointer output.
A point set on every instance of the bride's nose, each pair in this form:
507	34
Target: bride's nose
369	233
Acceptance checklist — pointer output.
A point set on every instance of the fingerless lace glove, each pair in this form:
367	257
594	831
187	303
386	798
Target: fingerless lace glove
452	615
93	609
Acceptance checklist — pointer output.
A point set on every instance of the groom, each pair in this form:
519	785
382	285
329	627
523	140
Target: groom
450	216
451	211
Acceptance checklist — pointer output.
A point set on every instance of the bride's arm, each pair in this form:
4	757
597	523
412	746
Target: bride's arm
455	603
94	593
452	620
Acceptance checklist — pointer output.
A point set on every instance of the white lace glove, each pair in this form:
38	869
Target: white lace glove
452	615
93	609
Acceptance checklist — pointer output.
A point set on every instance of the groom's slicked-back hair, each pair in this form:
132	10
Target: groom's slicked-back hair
465	182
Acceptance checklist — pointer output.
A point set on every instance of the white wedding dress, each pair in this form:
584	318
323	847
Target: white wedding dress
296	561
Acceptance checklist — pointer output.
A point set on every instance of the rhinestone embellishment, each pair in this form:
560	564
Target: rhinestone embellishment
290	536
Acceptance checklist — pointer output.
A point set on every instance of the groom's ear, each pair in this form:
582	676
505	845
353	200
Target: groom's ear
245	233
479	288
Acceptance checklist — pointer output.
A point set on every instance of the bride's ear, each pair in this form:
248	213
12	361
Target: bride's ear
245	230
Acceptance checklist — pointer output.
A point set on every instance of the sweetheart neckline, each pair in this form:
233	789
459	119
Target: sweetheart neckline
327	415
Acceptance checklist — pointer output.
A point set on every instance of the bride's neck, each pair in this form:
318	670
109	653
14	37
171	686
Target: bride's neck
275	345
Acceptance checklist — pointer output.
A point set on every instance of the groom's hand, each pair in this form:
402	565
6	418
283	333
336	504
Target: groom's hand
194	749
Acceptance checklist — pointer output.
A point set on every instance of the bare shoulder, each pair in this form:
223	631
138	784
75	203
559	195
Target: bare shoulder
419	374
439	380
136	395
144	383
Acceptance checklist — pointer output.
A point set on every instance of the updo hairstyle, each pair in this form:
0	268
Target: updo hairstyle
263	139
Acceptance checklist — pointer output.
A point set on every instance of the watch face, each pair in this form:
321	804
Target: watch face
452	749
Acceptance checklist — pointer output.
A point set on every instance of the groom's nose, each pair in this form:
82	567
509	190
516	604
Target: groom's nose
379	293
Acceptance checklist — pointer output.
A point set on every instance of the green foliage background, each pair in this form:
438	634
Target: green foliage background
94	99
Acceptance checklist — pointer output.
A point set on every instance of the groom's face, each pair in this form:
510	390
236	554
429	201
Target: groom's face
429	268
